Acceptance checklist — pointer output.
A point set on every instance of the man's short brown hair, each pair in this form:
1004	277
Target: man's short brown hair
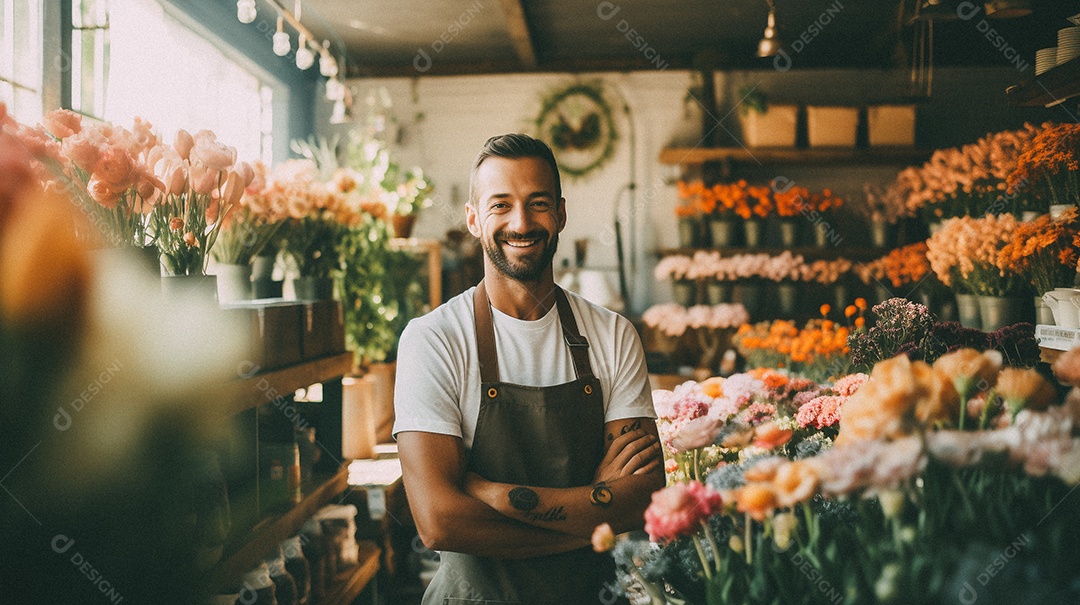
515	146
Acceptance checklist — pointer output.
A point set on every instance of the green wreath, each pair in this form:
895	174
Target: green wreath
594	133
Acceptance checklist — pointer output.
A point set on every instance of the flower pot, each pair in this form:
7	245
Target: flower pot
752	230
968	312
403	224
1029	215
233	282
684	292
722	232
879	235
718	292
775	127
262	282
203	287
788	233
935	226
689	232
752	297
822	231
1057	210
891	125
882	292
832	126
840	296
306	287
1000	311
787	295
1043	313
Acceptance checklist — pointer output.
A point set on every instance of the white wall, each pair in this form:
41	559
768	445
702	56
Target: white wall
460	113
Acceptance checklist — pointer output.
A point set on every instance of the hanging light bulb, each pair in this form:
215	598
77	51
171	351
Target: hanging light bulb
770	45
281	39
335	90
327	65
304	57
245	11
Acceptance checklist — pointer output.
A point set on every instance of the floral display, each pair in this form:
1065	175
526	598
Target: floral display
923	474
966	181
706	322
907	328
742	200
818	350
1043	251
902	266
782	267
885	205
248	228
966	254
1048	165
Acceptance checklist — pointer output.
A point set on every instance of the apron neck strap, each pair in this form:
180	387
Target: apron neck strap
485	336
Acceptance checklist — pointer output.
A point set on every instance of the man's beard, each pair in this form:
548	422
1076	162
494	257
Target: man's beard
530	268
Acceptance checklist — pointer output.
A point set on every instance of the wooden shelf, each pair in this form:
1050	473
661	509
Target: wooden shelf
264	387
1048	88
784	155
809	252
271	531
433	249
347	587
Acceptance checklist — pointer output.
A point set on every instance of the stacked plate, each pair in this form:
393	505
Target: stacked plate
1068	44
1045	59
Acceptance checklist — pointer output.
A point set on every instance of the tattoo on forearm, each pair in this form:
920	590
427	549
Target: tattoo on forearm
523	498
600	495
552	514
630	427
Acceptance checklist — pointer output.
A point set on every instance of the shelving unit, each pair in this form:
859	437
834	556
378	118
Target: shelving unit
271	531
1054	86
264	387
808	252
1055	340
684	156
348	586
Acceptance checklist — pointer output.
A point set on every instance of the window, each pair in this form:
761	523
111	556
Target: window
21	58
156	67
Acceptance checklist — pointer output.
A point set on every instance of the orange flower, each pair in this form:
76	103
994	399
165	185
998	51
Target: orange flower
756	499
769	435
795	482
1024	389
825	310
713	387
970	370
860	303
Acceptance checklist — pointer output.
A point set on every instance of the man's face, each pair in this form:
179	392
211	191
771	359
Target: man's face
516	216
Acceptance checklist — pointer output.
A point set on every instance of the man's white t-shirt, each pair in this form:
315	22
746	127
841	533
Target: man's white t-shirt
438	370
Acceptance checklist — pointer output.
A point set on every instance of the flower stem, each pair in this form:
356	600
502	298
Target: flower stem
712	544
749	544
963	411
704	561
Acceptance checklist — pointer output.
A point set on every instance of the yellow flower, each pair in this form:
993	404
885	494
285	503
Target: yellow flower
783	525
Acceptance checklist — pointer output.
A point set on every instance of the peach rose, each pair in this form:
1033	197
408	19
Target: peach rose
208	150
116	167
101	193
764	470
603	538
756	499
937	399
1024	389
143	137
1067	367
176	223
190	240
769	435
62	123
795	483
84	149
970	370
183	143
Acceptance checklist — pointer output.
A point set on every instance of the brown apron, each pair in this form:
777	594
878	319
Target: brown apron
541	437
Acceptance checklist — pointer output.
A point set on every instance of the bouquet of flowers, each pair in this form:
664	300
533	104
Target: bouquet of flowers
885	204
1048	165
1043	251
901	267
107	170
706	322
818	350
779	513
966	253
318	217
202	186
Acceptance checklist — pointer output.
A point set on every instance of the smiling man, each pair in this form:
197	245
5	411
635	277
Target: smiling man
523	413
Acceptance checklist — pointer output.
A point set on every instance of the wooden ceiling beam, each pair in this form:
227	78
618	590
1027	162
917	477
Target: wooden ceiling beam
517	26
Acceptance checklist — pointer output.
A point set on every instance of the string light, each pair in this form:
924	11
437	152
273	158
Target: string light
245	11
281	39
327	65
304	57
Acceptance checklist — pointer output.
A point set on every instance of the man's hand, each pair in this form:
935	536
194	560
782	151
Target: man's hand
633	452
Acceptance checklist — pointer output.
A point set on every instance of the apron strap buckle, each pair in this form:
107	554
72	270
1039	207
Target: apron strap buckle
576	340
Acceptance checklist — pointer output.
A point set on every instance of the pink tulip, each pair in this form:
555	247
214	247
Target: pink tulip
247	173
62	123
234	188
102	194
208	150
116	167
154	154
183	143
692	434
143	135
203	179
148	186
84	149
